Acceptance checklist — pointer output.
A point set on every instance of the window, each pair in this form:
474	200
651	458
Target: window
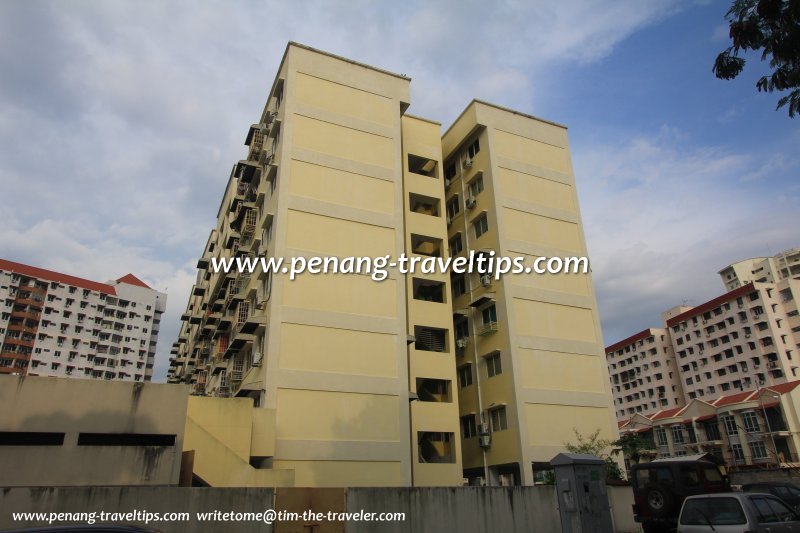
481	225
750	420
738	453
421	165
730	425
476	186
498	419
450	171
459	284
464	376
493	366
661	437
453	207
710	512
462	330
456	246
469	428
489	315
677	434
758	450
473	149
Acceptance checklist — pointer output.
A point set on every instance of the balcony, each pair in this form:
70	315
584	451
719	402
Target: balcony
488	328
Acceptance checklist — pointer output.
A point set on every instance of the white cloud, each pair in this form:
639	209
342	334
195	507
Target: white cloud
663	215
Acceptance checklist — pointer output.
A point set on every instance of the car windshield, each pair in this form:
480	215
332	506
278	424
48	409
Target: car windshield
712	475
712	511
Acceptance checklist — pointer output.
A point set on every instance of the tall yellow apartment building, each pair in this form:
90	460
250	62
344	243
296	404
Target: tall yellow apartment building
416	380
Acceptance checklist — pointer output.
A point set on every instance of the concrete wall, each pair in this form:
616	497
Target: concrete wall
467	509
129	499
784	475
37	405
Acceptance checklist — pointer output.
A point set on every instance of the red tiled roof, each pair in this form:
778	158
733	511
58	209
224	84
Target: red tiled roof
752	395
783	388
733	398
633	338
711	304
49	275
666	413
130	279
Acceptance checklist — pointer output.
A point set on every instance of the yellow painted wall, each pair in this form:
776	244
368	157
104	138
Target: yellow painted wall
340	98
538	229
536	189
343	142
542	319
550	425
531	151
306	347
336	236
543	369
353	294
345	416
343	473
340	187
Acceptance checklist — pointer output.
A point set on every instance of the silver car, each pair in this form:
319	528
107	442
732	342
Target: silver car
737	512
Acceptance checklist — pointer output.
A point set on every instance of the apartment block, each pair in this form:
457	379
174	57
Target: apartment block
753	428
747	338
419	379
529	347
784	265
644	374
54	324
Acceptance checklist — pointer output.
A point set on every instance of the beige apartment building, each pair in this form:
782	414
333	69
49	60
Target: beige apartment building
747	338
54	324
529	347
372	383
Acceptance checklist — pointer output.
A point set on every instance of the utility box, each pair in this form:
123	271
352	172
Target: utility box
582	495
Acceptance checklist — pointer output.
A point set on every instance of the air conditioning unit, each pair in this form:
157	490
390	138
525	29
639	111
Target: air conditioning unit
483	429
261	304
449	221
470	202
265	158
462	342
257	358
484	441
486	280
447	182
263	127
468	162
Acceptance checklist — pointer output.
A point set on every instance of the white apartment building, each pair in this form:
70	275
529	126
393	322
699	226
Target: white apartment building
54	324
784	265
747	338
643	372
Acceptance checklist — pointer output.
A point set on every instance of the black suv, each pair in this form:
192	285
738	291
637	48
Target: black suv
660	486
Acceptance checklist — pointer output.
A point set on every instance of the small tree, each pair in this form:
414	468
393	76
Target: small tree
594	445
630	445
772	26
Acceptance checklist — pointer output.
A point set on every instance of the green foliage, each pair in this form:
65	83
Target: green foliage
772	26
631	445
592	444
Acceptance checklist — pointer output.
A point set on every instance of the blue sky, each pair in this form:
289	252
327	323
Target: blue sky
119	122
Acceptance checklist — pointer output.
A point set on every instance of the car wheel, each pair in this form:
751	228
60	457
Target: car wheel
658	500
